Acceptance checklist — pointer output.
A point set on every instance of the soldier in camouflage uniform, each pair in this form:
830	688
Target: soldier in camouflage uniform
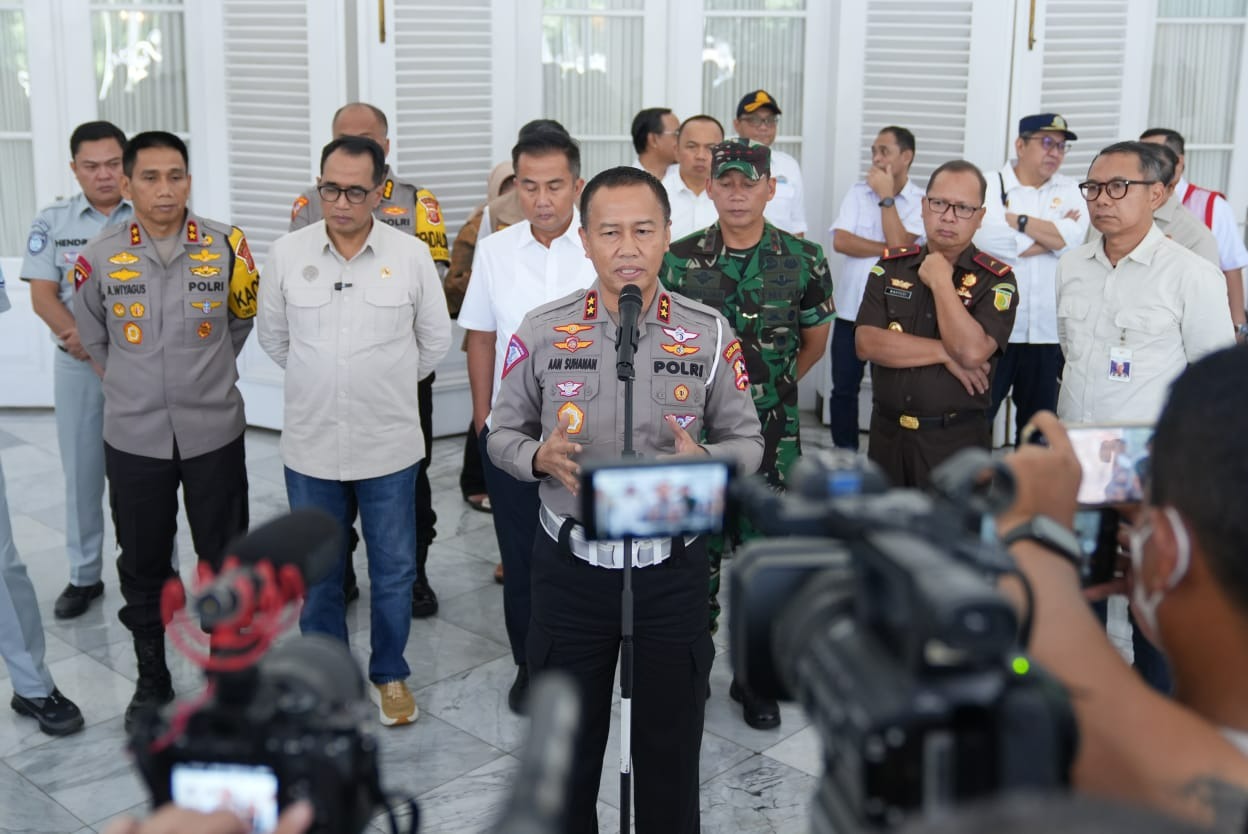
775	290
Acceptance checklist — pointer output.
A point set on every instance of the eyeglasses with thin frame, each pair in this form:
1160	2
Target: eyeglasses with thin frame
1116	189
761	121
355	194
960	210
1051	144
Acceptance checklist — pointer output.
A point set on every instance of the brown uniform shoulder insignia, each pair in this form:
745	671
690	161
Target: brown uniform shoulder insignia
988	262
899	252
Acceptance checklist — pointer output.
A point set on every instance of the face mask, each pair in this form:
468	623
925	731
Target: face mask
1143	603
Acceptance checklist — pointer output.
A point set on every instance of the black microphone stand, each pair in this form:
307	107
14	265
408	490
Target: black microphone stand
625	373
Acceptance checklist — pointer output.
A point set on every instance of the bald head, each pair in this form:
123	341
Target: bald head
361	119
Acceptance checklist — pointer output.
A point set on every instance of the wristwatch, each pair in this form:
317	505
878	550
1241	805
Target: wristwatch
1242	330
886	202
1050	535
1022	223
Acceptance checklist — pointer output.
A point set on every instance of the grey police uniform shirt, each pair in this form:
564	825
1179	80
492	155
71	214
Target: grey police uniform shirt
561	363
167	336
58	234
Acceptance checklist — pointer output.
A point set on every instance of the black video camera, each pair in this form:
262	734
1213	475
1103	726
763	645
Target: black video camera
269	729
879	613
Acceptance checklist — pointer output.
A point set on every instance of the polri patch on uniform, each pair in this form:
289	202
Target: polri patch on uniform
679	334
573	329
576	417
741	377
1003	296
433	212
680	349
903	294
516	353
124	259
37	242
569	388
665	308
733	349
591	306
133	333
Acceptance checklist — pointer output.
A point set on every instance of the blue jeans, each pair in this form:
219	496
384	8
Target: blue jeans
385	506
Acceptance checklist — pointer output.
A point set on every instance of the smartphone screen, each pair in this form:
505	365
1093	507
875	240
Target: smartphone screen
1115	462
250	791
1097	531
652	500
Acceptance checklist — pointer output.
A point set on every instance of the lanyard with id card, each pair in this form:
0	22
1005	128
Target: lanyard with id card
1120	361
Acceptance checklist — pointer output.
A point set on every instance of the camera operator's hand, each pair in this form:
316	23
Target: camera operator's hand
686	446
1047	477
170	819
554	457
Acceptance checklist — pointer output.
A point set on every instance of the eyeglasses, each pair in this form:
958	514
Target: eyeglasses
1116	189
1051	144
355	194
938	207
761	121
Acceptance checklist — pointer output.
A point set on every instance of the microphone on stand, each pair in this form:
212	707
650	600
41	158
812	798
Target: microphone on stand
626	344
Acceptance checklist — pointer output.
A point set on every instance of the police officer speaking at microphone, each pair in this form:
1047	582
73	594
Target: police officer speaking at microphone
560	405
164	305
933	322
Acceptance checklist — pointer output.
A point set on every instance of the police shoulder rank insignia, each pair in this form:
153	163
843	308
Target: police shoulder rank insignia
569	388
124	274
300	202
680	349
573	329
192	232
133	333
388	190
591	306
1003	296
136	237
576	417
82	271
665	308
988	262
124	259
679	334
516	353
899	252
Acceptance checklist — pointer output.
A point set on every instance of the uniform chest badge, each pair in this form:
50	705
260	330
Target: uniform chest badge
895	326
203	256
394	211
205	271
681	393
124	259
137	310
679	334
205	306
684	420
123	274
204	330
569	388
573	329
680	349
516	353
133	333
119	310
573	343
900	284
969	280
575	416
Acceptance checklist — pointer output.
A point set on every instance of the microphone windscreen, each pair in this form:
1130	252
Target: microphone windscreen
309	539
630	296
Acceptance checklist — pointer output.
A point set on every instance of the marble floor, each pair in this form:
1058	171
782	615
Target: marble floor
458	759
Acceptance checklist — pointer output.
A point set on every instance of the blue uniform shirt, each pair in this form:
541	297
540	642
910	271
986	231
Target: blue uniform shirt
58	233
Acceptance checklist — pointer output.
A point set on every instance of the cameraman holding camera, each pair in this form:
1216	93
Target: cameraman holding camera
1188	588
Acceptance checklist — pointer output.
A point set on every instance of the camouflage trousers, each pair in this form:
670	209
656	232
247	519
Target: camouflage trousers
738	530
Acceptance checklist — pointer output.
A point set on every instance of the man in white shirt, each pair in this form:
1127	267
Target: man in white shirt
513	271
654	138
1034	215
882	212
758	116
692	208
353	310
1135	308
1212	209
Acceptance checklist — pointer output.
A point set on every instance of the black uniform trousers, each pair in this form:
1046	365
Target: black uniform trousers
908	456
515	506
576	628
1033	372
426	518
143	494
847	370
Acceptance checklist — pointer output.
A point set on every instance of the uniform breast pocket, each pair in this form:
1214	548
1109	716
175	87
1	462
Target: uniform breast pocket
1147	332
779	326
1072	327
682	398
902	312
573	398
308	313
387	313
204	320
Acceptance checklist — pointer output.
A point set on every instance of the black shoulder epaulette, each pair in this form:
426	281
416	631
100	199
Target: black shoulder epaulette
900	252
988	262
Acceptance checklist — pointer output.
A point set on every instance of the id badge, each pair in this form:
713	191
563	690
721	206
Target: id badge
1119	364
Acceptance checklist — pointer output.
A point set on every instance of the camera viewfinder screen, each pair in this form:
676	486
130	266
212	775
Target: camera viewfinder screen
654	501
1115	461
249	791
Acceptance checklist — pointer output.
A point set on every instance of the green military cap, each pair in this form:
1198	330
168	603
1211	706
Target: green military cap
750	158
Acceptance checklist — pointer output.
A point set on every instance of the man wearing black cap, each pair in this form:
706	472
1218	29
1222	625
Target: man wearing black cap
1033	214
758	117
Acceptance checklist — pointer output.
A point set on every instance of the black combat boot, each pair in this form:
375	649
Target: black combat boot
154	688
424	600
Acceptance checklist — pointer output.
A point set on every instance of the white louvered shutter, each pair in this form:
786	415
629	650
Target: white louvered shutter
443	101
268	113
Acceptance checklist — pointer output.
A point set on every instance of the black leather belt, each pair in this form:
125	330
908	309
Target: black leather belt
914	422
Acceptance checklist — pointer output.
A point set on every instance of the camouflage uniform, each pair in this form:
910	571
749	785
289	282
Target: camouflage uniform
782	287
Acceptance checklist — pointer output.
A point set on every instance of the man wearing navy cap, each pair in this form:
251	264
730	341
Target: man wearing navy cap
1033	215
758	117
